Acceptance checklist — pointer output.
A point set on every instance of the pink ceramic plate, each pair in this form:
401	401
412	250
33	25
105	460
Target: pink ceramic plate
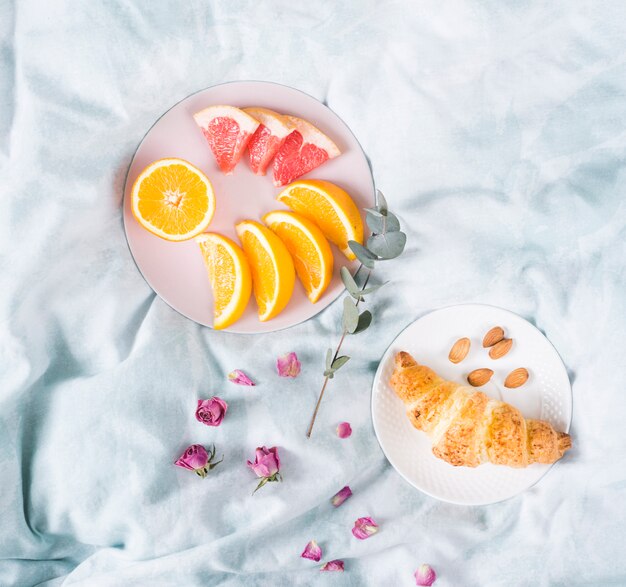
176	271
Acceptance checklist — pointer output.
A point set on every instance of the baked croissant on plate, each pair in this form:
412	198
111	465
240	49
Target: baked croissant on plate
467	428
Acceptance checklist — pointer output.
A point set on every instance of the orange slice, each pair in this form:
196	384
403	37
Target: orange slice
309	249
227	130
328	206
229	273
173	199
273	274
306	148
267	139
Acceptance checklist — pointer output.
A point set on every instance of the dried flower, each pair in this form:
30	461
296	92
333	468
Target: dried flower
211	411
312	551
425	576
341	496
266	465
364	528
288	365
344	430
240	378
335	565
196	458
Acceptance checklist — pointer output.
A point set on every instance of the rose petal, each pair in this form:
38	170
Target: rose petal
344	430
240	378
335	565
194	457
364	528
312	551
425	576
341	496
288	365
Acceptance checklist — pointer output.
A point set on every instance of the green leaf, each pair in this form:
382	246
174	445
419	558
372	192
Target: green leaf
350	318
362	254
369	290
329	358
365	319
330	373
373	211
387	246
382	224
348	281
381	203
339	362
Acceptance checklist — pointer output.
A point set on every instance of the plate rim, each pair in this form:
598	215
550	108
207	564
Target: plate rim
377	376
140	143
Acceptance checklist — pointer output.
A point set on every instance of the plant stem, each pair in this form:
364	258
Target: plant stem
343	336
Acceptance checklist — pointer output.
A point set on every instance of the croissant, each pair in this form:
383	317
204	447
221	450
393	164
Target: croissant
467	428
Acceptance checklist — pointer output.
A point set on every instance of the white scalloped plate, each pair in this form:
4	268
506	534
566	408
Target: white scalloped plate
547	395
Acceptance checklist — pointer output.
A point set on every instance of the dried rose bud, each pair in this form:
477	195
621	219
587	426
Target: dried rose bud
288	365
211	411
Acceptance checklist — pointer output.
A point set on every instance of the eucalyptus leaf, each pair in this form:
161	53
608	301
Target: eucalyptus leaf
365	319
348	281
382	224
387	246
329	359
375	222
330	373
362	254
372	289
373	211
350	318
339	362
392	224
381	203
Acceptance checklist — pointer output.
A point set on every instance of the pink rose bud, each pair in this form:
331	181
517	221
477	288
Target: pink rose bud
425	576
364	528
341	496
344	430
266	465
312	551
211	411
335	565
240	378
196	458
288	365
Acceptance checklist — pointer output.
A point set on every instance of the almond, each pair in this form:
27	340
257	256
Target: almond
459	350
478	377
496	334
516	378
498	350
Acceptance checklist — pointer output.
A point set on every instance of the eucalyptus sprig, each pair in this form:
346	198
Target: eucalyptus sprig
387	241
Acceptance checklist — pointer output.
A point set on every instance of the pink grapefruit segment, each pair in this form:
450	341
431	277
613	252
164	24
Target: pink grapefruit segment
267	139
227	130
304	149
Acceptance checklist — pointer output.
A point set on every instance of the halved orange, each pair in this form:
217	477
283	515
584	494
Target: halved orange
309	250
273	274
328	206
173	199
229	273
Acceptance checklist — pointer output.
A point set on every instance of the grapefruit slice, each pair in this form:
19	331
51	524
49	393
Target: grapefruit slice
227	130
173	199
230	277
303	150
267	139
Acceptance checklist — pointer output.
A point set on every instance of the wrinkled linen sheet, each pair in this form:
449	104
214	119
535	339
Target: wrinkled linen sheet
498	133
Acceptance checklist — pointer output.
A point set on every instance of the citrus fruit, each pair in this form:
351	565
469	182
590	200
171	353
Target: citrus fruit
229	273
227	130
309	250
273	274
328	206
267	139
304	149
173	199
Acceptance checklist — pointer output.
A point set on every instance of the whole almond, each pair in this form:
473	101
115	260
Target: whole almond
459	350
516	378
478	377
496	334
498	350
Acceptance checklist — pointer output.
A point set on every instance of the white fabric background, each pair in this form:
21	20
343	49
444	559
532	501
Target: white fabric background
497	132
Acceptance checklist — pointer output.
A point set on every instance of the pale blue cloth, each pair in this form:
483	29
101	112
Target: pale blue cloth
498	133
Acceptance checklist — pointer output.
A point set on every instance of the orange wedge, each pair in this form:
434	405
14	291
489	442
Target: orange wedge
173	199
309	249
229	273
328	206
273	274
